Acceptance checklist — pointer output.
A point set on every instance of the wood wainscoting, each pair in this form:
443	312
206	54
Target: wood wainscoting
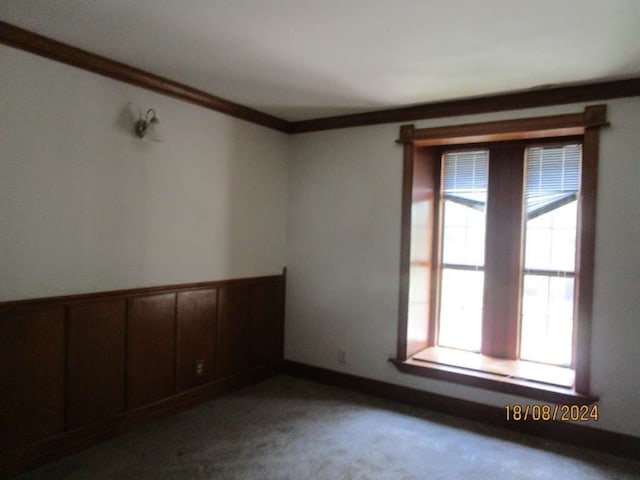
78	369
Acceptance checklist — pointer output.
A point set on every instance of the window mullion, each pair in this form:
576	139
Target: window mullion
503	252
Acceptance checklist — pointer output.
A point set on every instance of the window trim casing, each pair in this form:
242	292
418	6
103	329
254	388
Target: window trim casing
585	125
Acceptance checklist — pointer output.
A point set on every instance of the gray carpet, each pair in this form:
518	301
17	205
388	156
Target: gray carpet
286	428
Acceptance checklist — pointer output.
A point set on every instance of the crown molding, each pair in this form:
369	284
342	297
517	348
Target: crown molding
487	104
40	45
32	42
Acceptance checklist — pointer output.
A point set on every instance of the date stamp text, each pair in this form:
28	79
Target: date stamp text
548	412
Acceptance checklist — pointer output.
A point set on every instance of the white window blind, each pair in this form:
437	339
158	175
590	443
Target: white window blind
552	178
465	177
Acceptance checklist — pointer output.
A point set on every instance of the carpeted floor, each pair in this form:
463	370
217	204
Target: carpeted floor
286	428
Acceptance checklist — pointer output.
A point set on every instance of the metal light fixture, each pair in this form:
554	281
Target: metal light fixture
148	125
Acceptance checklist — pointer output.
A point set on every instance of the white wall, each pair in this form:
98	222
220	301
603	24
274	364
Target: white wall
86	206
344	245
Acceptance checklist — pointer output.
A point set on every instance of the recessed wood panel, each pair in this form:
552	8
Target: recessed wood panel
197	324
118	353
31	374
150	348
265	329
233	328
95	361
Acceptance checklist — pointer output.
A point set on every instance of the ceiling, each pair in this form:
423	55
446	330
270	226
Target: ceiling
303	59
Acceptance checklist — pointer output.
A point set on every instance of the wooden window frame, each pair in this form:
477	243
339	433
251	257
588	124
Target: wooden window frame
421	177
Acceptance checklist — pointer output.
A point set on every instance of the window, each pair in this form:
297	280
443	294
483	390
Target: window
497	254
464	199
551	193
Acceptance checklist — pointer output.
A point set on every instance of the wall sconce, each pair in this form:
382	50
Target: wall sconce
148	126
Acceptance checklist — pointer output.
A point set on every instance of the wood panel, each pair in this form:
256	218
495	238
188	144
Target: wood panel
151	351
134	292
265	329
29	456
503	254
115	354
586	255
568	124
197	325
234	322
426	188
420	186
31	374
408	152
95	361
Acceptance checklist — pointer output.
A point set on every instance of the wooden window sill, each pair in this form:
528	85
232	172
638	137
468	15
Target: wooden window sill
527	379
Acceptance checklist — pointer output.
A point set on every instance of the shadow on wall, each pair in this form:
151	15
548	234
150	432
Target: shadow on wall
257	195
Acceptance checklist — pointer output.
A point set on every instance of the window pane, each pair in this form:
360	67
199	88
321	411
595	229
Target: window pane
547	319
463	235
550	239
461	309
464	189
551	190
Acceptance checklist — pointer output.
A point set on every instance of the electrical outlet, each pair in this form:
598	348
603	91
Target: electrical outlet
198	368
342	355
